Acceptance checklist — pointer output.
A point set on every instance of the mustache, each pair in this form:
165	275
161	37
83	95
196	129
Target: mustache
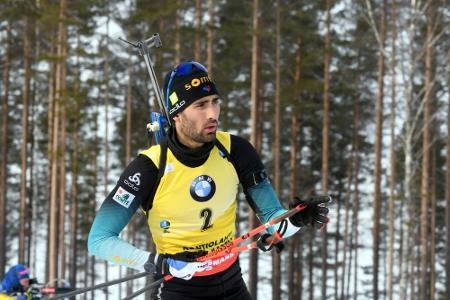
211	123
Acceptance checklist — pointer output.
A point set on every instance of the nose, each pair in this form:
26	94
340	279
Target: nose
212	113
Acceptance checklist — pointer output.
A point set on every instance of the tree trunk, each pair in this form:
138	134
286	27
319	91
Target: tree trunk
53	256
62	161
415	274
410	124
325	139
347	196
433	221
392	158
25	133
74	204
33	190
253	255
424	195
95	175
295	269
53	228
129	111
311	265
209	46
406	227
177	46
106	123
276	259
4	149
50	122
86	269
62	193
198	23
447	196
348	237
294	282
378	154
355	211
336	247
74	186
356	233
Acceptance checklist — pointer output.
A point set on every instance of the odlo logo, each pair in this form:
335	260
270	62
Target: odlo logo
177	106
136	178
133	181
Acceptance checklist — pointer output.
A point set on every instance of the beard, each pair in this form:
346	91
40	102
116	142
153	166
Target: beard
188	129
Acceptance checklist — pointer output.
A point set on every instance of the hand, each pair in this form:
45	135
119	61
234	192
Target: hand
313	214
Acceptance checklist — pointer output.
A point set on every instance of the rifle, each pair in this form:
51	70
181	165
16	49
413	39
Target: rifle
159	120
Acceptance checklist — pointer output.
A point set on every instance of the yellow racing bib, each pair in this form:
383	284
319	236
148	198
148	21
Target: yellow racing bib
194	209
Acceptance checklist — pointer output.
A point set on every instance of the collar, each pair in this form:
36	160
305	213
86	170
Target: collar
189	157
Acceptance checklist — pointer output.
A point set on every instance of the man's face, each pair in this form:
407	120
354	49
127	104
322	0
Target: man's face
25	282
197	124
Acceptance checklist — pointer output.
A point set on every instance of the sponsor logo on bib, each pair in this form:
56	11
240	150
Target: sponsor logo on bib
202	188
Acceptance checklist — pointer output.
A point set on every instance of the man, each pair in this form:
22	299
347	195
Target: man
16	281
191	205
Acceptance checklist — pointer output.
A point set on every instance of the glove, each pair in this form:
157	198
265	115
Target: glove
313	214
162	266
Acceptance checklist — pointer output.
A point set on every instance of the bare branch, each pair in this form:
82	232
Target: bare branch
373	25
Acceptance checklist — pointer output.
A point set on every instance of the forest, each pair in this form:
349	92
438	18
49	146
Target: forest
348	98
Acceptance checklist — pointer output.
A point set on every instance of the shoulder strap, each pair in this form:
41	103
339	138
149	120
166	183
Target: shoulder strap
161	169
250	181
225	152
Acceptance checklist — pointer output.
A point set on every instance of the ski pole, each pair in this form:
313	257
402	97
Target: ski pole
232	246
101	285
148	287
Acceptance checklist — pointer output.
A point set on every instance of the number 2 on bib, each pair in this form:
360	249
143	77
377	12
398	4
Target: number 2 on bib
206	215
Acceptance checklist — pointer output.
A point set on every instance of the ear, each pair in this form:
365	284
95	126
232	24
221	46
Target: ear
176	118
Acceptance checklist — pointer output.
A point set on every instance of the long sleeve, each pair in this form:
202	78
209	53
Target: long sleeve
130	192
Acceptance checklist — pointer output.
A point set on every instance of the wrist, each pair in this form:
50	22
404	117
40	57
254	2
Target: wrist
292	228
295	221
157	264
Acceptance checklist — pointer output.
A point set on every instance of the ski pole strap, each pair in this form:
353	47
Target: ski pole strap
99	286
266	242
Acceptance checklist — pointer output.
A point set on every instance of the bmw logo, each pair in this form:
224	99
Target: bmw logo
202	188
